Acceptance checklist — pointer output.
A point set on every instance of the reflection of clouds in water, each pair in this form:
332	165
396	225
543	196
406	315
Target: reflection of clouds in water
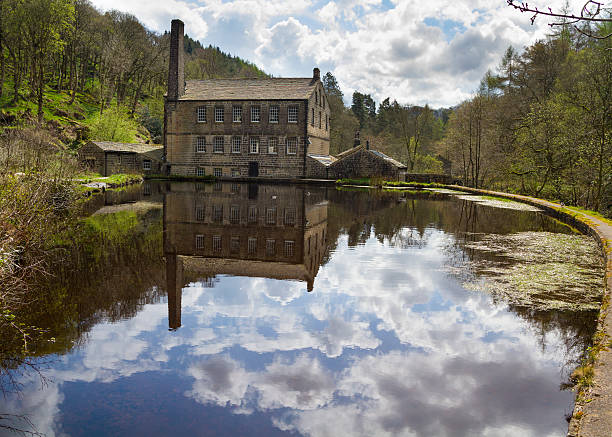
478	370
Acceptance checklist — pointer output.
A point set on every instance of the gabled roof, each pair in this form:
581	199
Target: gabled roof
111	146
376	153
326	160
249	89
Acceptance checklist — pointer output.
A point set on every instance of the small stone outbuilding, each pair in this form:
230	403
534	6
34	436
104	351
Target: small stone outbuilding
363	162
108	157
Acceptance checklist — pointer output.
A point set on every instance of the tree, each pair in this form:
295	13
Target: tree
43	23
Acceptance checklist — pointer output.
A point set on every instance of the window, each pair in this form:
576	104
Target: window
200	171
218	145
201	112
201	145
252	214
326	122
272	145
252	245
255	114
320	117
292	114
235	245
146	164
217	172
271	216
200	213
235	188
289	248
270	247
234	214
316	97
290	216
216	243
219	114
254	145
237	114
199	241
235	173
312	117
273	115
217	213
218	187
291	146
236	144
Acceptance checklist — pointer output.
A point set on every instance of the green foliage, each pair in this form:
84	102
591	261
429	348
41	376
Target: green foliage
427	164
114	124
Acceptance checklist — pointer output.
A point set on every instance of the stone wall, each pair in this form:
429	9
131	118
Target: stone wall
315	170
92	157
318	131
364	164
183	130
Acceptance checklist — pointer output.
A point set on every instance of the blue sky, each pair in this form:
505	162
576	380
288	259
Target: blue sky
416	52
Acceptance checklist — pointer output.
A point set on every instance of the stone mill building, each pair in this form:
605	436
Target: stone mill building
234	128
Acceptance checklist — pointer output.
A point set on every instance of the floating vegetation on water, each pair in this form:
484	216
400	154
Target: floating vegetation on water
499	203
541	270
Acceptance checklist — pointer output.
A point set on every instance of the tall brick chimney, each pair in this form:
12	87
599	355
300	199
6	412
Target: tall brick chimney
176	71
316	74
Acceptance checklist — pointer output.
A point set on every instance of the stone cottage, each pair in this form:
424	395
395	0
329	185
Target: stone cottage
108	157
263	128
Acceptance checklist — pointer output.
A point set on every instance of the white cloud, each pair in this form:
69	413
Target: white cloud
368	45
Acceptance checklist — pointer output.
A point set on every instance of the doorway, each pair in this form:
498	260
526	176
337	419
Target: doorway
253	169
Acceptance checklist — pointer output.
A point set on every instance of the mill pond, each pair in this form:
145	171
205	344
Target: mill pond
232	309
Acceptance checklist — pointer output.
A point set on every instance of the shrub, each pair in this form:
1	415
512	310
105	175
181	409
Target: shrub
114	124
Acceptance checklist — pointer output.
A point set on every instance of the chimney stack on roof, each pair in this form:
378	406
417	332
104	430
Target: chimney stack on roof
316	74
176	71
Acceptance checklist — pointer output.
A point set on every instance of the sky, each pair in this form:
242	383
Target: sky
416	52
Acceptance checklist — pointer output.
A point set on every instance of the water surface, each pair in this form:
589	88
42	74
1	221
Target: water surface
235	309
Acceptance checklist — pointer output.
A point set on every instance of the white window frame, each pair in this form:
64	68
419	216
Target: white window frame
292	114
273	113
271	216
292	142
252	217
234	214
270	247
219	114
255	114
146	164
200	144
235	172
200	172
236	114
200	213
201	114
217	172
235	244
236	145
218	141
254	145
272	146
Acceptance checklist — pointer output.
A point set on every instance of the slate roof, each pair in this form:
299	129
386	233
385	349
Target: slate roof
249	89
111	146
374	152
326	160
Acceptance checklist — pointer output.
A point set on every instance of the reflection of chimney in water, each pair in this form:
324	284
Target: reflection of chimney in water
174	278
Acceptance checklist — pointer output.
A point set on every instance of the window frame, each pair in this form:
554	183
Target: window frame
216	144
293	111
236	141
219	110
200	170
274	109
255	110
201	114
289	142
253	141
147	164
236	110
200	143
272	148
218	172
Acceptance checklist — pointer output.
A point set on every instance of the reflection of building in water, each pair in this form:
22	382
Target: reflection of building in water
269	231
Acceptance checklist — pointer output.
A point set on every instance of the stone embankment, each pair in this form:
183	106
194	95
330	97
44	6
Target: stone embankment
592	416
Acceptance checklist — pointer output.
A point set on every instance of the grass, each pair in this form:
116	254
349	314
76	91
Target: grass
590	212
